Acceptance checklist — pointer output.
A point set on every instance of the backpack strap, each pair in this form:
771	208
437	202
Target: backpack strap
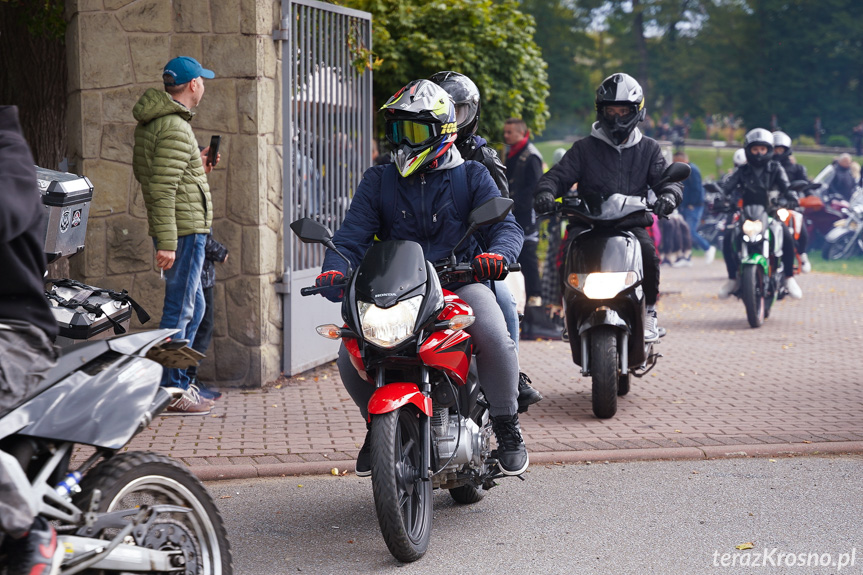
389	185
462	196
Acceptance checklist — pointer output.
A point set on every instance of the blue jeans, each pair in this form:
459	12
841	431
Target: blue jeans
508	306
184	299
692	215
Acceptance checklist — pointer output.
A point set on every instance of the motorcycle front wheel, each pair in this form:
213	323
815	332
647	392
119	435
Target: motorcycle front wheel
604	370
403	501
131	480
753	294
842	248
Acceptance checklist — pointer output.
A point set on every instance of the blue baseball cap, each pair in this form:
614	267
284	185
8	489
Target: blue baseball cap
184	69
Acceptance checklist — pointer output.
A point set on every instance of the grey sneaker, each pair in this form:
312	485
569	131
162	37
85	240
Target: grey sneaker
651	331
190	403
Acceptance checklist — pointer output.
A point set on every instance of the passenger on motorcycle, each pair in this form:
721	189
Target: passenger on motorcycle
752	183
796	172
466	98
617	158
428	173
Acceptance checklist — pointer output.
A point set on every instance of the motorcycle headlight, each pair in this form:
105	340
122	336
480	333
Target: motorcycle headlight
391	326
605	285
752	229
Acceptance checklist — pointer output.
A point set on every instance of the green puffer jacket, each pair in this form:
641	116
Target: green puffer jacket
167	162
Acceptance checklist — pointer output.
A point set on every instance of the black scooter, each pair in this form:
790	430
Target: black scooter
603	296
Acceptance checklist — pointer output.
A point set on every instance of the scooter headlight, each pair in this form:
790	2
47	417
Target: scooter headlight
752	230
605	285
391	326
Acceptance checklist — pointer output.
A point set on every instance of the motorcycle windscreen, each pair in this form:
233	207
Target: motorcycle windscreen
390	271
604	250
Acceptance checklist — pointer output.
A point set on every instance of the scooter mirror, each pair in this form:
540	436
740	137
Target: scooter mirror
311	232
676	172
490	212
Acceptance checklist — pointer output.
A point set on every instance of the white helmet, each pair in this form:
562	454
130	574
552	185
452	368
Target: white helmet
739	157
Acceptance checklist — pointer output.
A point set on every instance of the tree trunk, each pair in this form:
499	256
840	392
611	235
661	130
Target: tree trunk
640	42
33	77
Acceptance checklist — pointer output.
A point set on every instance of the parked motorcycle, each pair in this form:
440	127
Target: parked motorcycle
603	298
821	210
117	512
430	426
845	240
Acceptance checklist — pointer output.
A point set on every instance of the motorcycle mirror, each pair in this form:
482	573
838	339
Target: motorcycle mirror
677	172
312	232
798	185
489	212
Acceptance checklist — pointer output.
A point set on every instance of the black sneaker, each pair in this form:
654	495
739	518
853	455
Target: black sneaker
364	459
527	395
36	552
511	453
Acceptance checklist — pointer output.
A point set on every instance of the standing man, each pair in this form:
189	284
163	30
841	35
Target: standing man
692	206
172	172
524	169
27	328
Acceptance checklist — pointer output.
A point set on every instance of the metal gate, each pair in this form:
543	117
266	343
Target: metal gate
327	112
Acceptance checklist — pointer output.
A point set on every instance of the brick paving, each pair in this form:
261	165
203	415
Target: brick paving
721	389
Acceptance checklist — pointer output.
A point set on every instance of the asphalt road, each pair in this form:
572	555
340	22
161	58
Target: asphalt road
801	515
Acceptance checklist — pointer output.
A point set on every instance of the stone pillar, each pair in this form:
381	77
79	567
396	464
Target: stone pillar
116	50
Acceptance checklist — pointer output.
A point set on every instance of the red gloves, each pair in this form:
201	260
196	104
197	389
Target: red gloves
330	279
488	267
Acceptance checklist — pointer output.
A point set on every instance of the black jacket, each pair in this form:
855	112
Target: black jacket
753	186
602	169
477	149
22	231
523	170
795	172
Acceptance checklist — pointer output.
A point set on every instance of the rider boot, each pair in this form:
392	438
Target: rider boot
793	288
511	453
364	459
527	395
728	288
36	553
537	324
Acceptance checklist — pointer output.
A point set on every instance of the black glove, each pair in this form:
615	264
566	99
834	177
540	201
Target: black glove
543	203
332	279
663	206
488	267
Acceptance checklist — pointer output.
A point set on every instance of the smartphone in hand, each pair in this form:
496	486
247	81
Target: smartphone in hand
213	153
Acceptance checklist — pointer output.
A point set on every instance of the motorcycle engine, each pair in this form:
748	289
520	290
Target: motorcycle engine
465	443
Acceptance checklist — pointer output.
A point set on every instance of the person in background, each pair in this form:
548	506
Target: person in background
27	328
214	251
783	154
692	206
843	183
466	99
524	169
172	171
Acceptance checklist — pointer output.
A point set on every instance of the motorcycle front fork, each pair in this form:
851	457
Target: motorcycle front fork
425	420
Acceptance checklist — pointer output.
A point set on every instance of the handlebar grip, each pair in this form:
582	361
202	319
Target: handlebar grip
514	267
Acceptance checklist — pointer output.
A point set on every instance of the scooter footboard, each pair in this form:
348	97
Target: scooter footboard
395	395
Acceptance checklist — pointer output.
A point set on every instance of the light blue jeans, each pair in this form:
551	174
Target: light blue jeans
184	299
692	215
509	307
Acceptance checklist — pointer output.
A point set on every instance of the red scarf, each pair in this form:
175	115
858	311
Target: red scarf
517	147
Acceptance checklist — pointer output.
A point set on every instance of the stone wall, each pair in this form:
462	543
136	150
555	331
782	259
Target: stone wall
116	50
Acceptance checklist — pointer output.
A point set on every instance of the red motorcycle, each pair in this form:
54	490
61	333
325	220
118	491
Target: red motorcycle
430	426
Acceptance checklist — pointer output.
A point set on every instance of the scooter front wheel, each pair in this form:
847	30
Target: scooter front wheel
403	501
604	370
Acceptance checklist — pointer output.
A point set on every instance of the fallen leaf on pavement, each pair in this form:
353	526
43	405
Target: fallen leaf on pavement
745	546
334	471
225	497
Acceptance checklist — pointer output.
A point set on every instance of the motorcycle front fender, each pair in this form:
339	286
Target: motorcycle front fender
395	395
604	317
836	233
758	260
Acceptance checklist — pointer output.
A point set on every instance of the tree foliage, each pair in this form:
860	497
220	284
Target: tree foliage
489	41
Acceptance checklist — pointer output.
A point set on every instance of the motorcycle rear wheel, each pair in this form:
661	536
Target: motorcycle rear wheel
753	294
604	370
403	501
130	480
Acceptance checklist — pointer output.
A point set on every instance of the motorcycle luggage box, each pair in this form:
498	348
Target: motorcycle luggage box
66	198
83	314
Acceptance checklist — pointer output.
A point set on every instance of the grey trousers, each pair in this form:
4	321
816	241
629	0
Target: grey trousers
26	355
496	358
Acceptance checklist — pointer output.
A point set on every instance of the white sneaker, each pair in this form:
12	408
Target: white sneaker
793	289
805	266
728	288
651	331
710	255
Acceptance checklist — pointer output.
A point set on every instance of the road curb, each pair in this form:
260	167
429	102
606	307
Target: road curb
220	471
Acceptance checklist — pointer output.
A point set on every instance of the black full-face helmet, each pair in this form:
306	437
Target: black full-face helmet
420	125
465	96
784	140
619	90
758	137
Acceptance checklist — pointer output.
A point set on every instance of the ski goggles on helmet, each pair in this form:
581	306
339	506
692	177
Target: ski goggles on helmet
414	133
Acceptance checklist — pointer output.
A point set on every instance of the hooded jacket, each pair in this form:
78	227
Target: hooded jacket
167	162
753	185
601	169
22	232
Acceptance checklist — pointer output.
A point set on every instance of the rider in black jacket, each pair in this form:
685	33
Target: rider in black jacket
795	172
465	96
617	158
752	183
